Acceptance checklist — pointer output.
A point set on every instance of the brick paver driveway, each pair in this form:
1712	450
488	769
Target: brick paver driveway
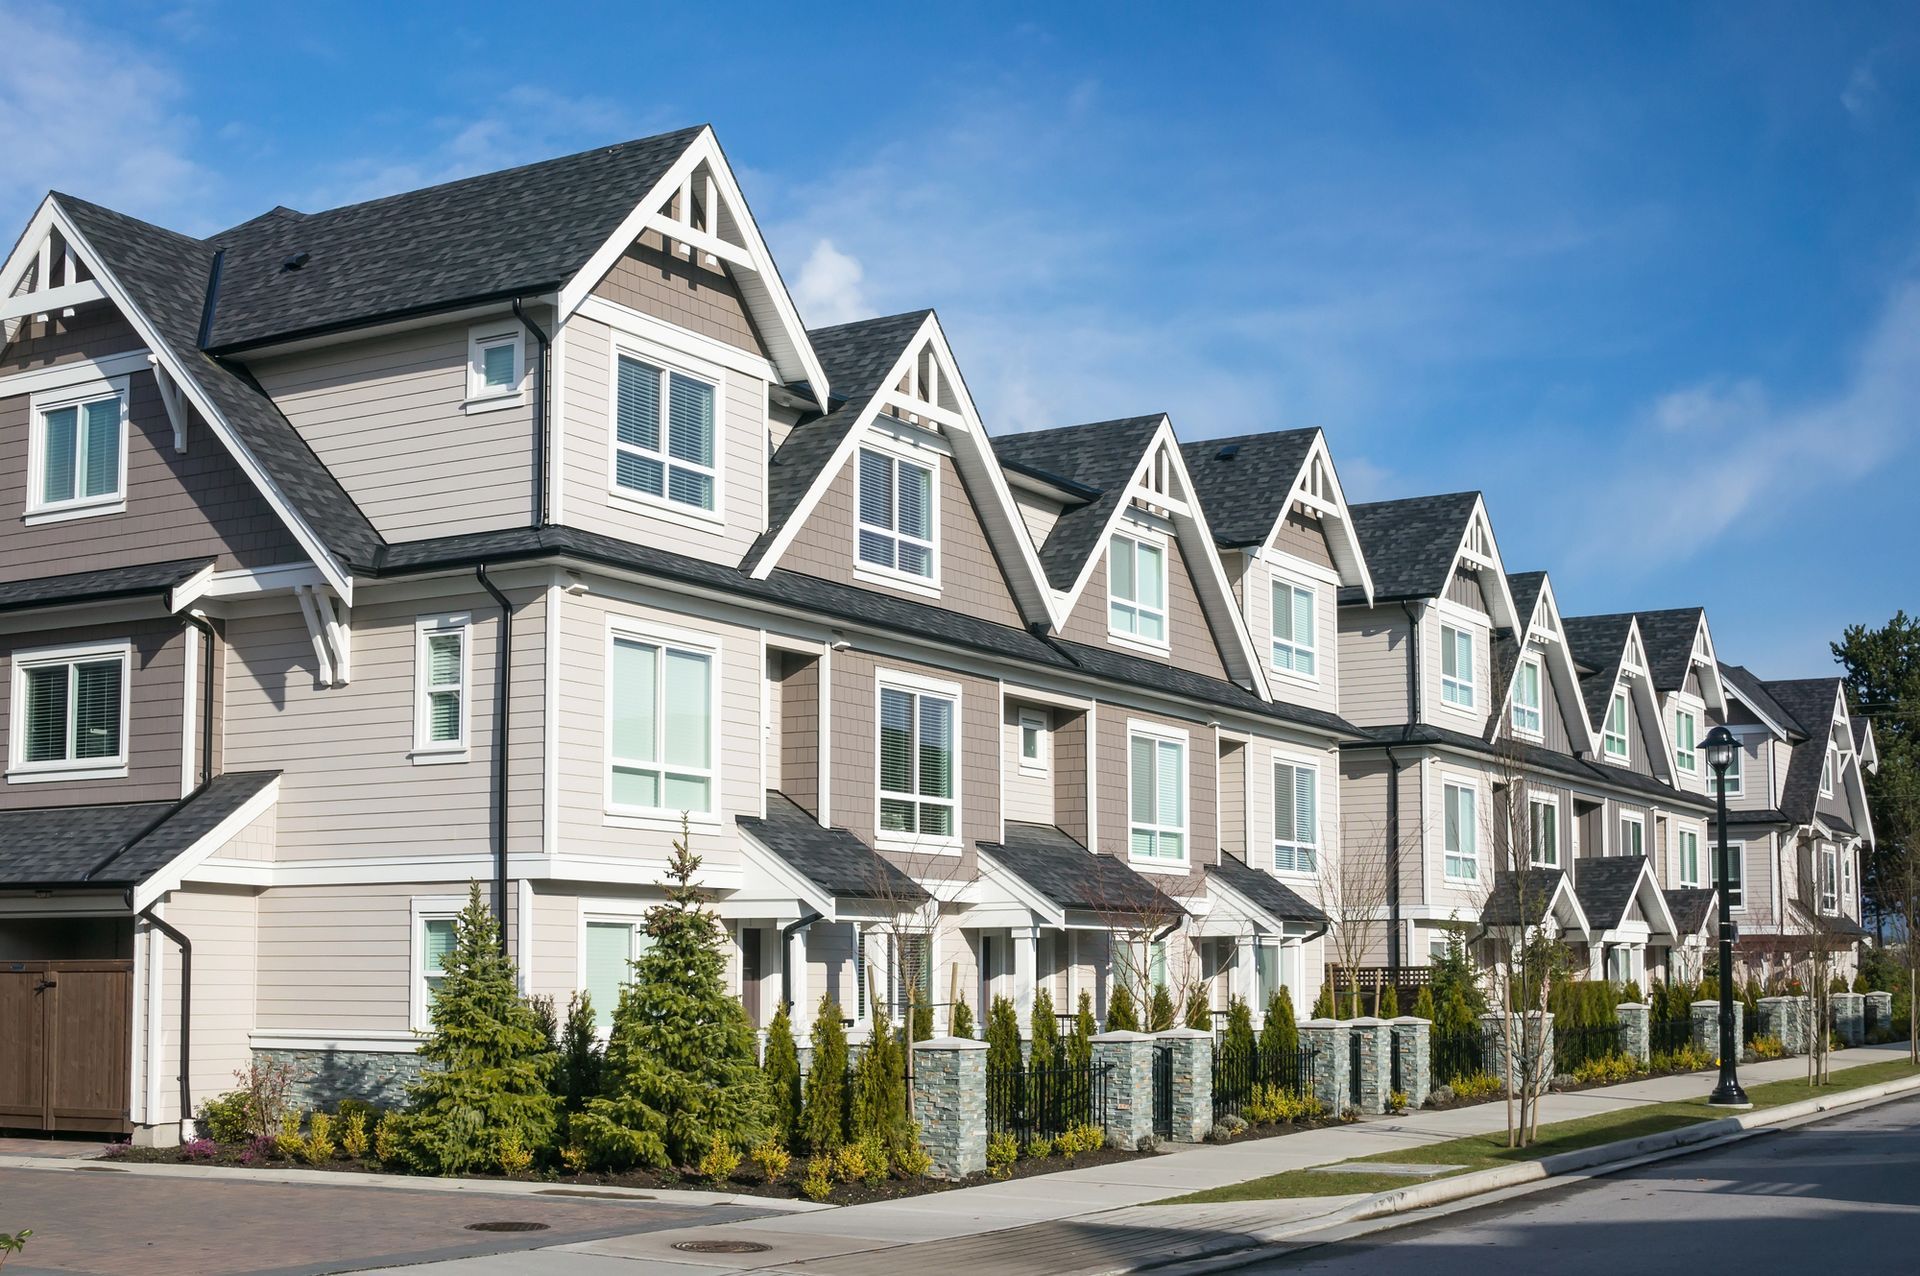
129	1224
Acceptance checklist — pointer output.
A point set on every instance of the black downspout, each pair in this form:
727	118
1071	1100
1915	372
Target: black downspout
540	441
186	1010
503	673
1395	956
787	933
206	702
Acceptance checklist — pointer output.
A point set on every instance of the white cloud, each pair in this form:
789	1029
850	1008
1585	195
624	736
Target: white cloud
828	288
1863	86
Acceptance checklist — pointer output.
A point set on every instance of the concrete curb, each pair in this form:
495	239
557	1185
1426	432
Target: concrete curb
1599	1159
408	1183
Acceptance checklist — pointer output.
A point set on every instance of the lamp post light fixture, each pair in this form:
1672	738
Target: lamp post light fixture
1719	746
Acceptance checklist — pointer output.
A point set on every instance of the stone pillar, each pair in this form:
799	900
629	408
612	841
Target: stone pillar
1129	1086
1192	1083
1413	1046
1879	1011
1327	1038
1636	1030
1849	1010
1025	958
1786	1019
1375	1037
1533	1048
950	1104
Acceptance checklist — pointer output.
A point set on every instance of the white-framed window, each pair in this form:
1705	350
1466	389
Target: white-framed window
1736	875
1687	851
1543	828
1456	666
909	961
1295	615
660	725
1157	963
1620	964
442	665
77	451
1527	719
1826	774
1846	877
1137	589
1633	835
609	945
1438	946
1462	832
898	514
1296	817
432	943
1686	739
664	434
1034	743
69	718
496	364
1734	782
1829	878
1613	738
1156	795
918	773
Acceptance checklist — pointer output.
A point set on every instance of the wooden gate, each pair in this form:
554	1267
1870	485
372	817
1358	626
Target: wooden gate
66	1045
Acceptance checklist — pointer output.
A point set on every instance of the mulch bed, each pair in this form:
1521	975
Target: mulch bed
747	1182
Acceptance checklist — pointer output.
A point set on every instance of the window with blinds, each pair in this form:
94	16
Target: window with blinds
436	946
1526	698
911	972
1293	630
916	764
441	715
895	531
1137	589
493	363
660	747
1462	833
79	449
664	434
1156	798
69	710
610	948
1296	818
1456	666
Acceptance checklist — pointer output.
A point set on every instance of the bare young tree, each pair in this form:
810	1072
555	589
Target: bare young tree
1354	894
1134	922
1820	926
909	892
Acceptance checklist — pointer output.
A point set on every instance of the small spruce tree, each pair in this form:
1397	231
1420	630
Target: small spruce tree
487	1088
960	1020
1280	1040
1083	1025
1388	1006
1003	1061
879	1104
1161	1013
1423	1004
1239	1039
582	1061
783	1078
1199	1014
1078	1051
823	1121
1122	1014
1323	1004
681	1067
1045	1051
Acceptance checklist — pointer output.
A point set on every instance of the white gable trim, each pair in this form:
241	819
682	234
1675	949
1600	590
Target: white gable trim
1779	731
759	278
182	868
1342	542
1491	565
1712	690
1560	668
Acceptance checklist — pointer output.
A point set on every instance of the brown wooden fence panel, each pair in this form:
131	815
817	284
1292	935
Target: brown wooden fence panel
66	1037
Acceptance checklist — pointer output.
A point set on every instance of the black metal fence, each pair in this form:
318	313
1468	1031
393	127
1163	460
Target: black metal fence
1044	1103
1163	1091
1574	1048
1236	1071
1666	1036
1457	1055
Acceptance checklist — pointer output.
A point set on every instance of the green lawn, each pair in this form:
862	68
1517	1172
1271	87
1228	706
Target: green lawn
1482	1152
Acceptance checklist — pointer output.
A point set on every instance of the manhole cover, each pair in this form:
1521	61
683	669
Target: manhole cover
721	1247
507	1225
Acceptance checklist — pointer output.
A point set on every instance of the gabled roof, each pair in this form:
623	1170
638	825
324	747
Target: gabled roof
499	235
1056	865
1527	588
1607	887
1528	897
833	859
1668	638
1101	457
116	845
1813	703
1411	544
1864	745
1742	683
1536	757
1692	908
1263	890
1598	644
154	580
1532	591
1244	480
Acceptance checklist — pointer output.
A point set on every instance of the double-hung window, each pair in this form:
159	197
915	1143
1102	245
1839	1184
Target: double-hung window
896	515
1137	589
1686	740
1688	850
1462	833
1613	737
441	668
660	717
1526	698
1456	666
1633	836
1296	818
1826	774
1735	875
1543	828
1293	629
69	711
1156	797
493	366
664	434
917	763
1846	877
1732	783
609	947
1829	878
433	937
78	451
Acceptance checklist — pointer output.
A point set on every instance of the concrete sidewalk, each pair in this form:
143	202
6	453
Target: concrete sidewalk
1089	1220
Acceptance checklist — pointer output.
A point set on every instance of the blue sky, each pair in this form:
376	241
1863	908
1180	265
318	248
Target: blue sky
1649	276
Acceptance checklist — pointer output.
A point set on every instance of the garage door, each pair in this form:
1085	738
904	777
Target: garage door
65	1045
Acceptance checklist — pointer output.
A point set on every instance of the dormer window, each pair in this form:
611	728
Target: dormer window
1456	666
78	451
1826	774
663	435
1613	739
1686	734
494	367
1137	589
1293	629
1526	698
896	515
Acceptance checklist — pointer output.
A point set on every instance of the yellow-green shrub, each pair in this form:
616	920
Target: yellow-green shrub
774	1160
353	1134
719	1161
817	1183
1002	1151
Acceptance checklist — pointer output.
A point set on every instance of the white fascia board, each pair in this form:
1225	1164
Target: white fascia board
783	878
1653	904
190	590
1348	559
334	570
1712	690
181	868
779	320
1014	890
1226	896
1502	592
1097	554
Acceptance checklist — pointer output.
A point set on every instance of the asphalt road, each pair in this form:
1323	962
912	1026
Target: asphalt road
1836	1195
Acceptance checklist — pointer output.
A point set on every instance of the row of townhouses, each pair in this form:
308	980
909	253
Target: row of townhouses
503	530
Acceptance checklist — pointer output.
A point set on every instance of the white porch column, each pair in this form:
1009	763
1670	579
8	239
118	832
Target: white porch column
1025	958
1240	983
796	959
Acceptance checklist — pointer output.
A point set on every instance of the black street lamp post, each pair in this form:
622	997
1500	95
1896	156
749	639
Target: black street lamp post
1719	747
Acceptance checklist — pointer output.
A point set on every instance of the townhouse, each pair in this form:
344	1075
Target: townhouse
508	530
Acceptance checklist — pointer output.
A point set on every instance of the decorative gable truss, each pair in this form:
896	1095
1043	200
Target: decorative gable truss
1703	659
1479	553
1317	491
1850	766
924	389
1161	486
1632	676
1542	633
697	206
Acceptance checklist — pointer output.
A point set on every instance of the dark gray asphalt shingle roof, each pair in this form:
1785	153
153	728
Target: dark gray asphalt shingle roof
1597	644
1605	887
1101	457
1667	637
1534	888
99	586
1266	890
1243	481
1053	863
521	230
831	858
1811	701
1536	757
1410	544
1692	908
59	846
1751	689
